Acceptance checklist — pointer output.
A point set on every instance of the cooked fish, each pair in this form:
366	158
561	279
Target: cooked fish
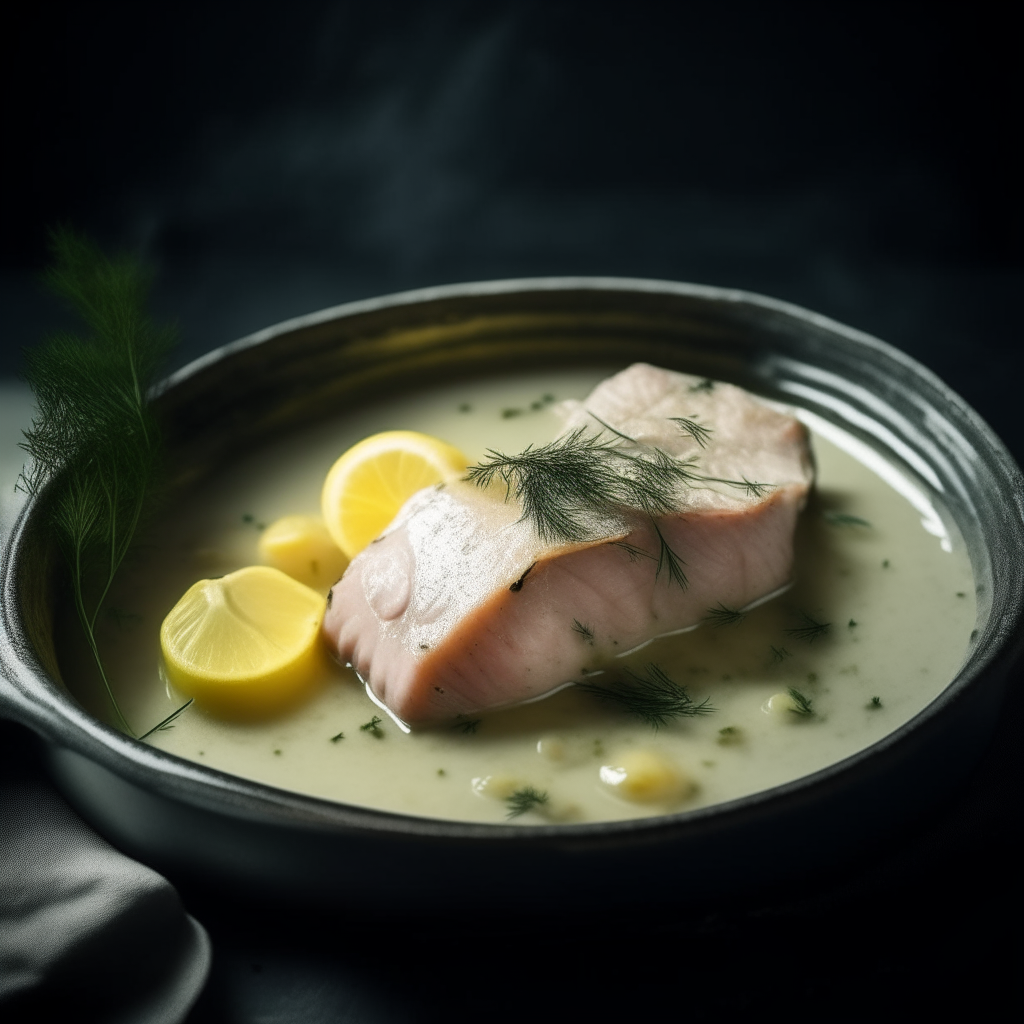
466	604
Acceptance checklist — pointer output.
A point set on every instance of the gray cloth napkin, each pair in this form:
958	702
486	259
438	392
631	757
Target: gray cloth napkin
83	927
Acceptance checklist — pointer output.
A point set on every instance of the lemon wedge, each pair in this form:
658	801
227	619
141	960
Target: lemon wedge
246	645
301	547
367	486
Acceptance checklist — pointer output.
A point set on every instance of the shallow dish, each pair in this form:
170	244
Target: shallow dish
185	819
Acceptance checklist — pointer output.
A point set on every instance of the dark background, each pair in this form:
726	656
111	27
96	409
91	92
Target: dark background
273	159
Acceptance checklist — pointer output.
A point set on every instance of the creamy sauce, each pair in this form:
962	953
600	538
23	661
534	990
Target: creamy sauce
897	594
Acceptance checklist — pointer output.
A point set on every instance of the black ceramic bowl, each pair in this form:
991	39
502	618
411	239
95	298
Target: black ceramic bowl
187	820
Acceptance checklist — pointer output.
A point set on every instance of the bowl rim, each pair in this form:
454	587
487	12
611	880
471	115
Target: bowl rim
29	695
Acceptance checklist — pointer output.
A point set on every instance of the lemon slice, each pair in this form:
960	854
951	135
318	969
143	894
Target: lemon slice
367	486
301	547
245	645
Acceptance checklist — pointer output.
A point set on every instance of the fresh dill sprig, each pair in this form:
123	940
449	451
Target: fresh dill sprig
874	704
751	488
723	616
697	431
802	705
754	488
811	630
845	519
523	800
635	553
337	736
579	485
467	726
94	444
556	484
668	559
654	698
779	654
583	630
610	428
373	727
707	385
168	722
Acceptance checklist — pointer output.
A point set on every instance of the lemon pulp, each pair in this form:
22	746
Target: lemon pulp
367	486
244	645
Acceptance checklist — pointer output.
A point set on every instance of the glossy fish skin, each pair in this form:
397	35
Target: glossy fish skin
460	608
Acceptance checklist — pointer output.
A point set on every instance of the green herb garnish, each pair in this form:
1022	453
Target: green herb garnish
337	737
668	559
874	703
94	443
581	487
723	616
802	704
610	428
467	726
523	800
811	630
779	654
654	698
168	722
373	727
583	630
844	519
699	433
578	486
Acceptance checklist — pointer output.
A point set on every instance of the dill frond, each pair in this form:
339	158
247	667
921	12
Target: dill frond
844	519
649	482
579	485
168	722
874	704
94	445
756	489
559	485
751	488
635	553
583	630
723	616
610	428
779	654
654	698
669	560
706	385
803	705
699	433
811	630
467	726
523	800
373	727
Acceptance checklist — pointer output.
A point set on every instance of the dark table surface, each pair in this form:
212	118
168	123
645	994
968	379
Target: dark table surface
290	159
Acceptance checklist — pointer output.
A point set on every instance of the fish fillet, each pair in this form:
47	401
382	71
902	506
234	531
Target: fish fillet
460	607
